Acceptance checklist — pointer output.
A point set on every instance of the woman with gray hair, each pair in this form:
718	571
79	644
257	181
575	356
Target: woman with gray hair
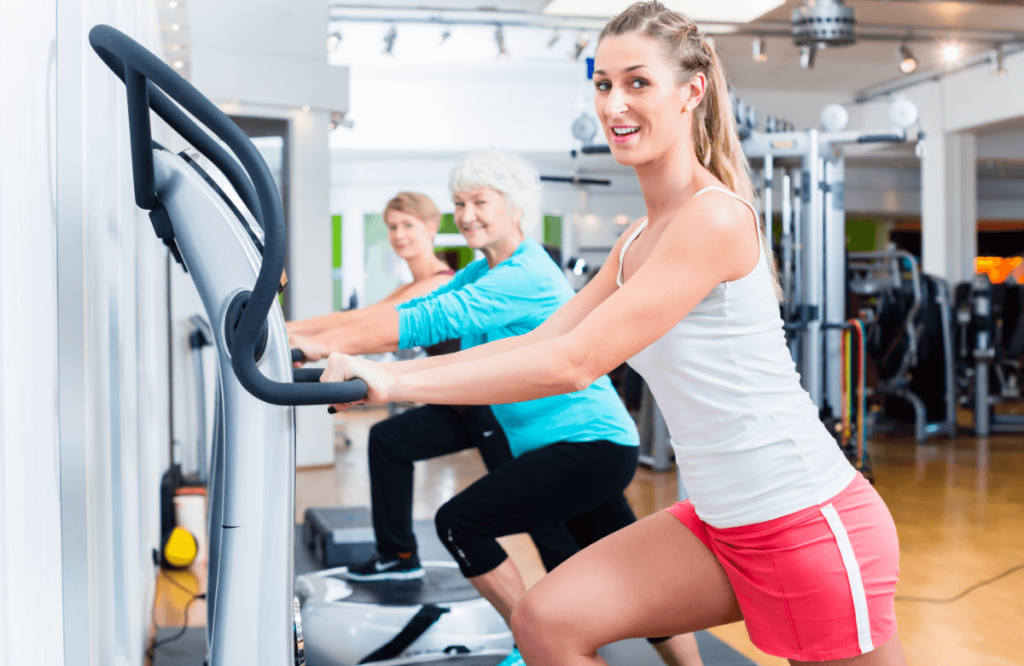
571	456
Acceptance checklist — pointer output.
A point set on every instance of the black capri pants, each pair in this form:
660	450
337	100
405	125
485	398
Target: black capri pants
428	432
578	484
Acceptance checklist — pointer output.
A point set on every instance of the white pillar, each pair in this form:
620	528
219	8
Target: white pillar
310	291
949	206
353	256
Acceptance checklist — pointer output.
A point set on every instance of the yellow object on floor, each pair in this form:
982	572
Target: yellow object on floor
180	549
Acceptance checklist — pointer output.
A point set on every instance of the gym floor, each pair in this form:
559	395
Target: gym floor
958	506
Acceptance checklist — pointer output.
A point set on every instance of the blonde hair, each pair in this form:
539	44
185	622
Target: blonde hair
715	139
418	205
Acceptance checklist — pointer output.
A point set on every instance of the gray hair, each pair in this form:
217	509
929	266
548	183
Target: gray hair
510	175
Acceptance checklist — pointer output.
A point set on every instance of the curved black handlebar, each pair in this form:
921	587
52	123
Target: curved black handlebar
152	84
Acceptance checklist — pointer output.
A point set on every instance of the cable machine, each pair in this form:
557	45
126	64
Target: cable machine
806	171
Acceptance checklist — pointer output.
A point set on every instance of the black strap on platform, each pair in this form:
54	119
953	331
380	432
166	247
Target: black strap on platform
424	619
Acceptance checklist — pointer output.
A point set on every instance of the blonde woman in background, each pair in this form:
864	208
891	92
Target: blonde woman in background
412	221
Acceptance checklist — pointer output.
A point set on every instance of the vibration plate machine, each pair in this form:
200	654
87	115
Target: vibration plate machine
234	248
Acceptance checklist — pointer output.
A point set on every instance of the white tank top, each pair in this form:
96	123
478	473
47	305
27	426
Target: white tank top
748	441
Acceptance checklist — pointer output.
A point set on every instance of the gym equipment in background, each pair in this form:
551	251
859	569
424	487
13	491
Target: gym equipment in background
909	336
235	256
990	348
813	252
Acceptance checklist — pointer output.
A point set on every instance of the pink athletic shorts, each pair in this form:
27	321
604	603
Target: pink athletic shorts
817	584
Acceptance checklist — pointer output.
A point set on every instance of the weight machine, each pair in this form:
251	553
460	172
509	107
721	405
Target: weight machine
813	261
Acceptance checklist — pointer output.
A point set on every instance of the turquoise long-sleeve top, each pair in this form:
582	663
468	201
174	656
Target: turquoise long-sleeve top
482	304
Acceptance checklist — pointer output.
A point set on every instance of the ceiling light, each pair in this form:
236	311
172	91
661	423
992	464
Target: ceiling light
333	41
443	37
760	55
499	37
555	36
389	40
581	43
172	4
951	53
807	55
996	60
906	59
175	27
178	64
175	47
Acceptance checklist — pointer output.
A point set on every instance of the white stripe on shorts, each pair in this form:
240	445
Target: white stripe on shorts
860	599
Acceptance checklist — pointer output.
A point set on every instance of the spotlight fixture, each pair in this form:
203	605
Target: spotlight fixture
555	36
951	53
389	40
908	63
443	37
499	37
175	47
175	27
760	54
996	60
578	265
333	41
178	64
173	4
807	54
338	119
581	43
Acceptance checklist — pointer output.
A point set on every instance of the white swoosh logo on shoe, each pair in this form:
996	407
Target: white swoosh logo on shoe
488	433
380	566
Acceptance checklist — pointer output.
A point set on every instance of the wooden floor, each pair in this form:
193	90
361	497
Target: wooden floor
958	506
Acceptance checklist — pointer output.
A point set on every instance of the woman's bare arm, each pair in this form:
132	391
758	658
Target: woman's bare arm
709	242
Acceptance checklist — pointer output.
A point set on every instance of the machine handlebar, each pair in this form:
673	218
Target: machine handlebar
152	84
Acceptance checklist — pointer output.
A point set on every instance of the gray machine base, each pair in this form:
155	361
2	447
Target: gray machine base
633	652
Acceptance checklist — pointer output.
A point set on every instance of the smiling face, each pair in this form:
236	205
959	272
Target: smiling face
643	109
483	218
409	235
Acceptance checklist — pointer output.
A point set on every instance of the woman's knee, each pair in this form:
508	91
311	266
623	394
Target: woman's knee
448	518
538	627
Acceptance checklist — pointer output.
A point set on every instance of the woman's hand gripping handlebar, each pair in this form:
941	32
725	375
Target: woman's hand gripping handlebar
379	382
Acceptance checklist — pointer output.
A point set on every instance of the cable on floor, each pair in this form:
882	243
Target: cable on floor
151	650
958	597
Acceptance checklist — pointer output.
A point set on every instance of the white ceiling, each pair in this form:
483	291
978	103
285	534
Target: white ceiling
840	70
456	5
1002	16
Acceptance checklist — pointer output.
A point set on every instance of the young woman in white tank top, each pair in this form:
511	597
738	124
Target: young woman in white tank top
780	530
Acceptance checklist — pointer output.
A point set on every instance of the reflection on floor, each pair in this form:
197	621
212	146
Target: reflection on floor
958	506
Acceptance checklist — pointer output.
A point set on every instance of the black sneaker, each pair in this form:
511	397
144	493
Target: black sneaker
380	569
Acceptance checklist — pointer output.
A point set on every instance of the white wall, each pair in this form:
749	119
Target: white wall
112	353
31	624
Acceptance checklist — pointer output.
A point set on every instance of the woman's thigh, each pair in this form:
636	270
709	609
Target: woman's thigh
652	578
